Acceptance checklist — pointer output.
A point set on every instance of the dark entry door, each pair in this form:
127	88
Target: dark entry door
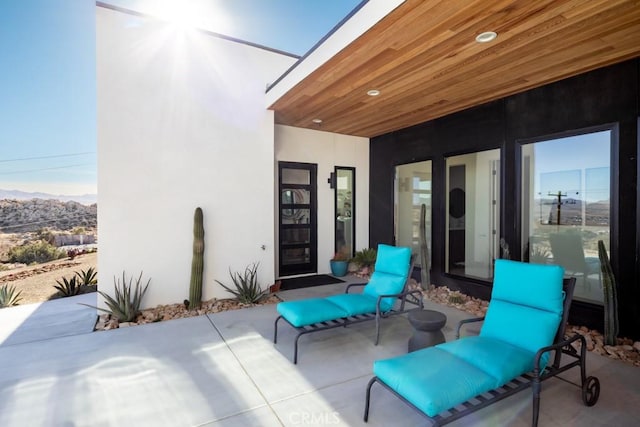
298	252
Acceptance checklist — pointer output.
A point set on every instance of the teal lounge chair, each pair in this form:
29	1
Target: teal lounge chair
525	321
378	299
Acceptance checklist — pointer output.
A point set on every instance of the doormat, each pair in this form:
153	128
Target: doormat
308	281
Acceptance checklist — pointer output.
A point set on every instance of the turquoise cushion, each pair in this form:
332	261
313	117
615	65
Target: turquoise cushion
499	359
432	379
390	274
385	284
534	285
354	304
393	260
310	311
524	327
526	304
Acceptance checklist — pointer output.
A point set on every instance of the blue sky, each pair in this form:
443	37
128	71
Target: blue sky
561	163
47	78
47	95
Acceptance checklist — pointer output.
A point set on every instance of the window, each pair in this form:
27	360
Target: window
473	206
345	205
566	206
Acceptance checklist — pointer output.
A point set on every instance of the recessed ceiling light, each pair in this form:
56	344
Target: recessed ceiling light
373	92
486	37
317	121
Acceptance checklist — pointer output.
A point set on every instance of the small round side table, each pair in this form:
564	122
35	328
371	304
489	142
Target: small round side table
428	328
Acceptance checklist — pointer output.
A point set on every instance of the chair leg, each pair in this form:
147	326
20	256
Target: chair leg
535	387
377	328
275	330
295	349
368	398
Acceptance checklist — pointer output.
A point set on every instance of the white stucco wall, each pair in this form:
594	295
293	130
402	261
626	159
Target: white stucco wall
181	124
328	150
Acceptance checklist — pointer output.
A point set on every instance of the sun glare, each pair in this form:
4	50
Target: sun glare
192	14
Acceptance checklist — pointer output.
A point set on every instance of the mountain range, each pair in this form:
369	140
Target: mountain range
85	199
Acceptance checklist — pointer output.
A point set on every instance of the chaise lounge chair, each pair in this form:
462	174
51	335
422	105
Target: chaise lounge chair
525	321
387	284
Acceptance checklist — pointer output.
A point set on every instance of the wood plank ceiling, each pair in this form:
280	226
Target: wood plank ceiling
424	60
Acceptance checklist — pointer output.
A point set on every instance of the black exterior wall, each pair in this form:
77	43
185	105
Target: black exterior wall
605	98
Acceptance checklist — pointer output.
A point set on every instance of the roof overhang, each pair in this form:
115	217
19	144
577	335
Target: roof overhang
423	58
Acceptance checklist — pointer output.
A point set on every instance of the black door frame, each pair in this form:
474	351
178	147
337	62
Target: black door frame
312	225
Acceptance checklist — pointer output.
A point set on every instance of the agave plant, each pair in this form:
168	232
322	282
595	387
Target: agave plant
68	287
247	289
87	278
8	296
126	305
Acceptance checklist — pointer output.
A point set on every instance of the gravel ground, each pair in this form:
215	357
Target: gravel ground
37	281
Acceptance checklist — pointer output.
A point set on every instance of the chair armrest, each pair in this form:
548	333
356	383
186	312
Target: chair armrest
417	294
353	285
537	371
465	321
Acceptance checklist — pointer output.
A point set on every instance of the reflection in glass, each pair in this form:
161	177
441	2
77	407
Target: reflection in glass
473	202
295	176
291	201
345	207
566	206
412	190
295	216
295	256
294	236
295	196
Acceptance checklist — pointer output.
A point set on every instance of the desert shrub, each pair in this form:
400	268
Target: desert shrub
46	235
35	252
9	296
247	289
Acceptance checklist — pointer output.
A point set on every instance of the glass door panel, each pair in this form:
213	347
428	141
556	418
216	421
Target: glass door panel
345	210
473	207
412	190
566	206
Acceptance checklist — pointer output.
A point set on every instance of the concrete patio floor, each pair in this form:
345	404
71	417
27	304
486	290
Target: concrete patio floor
224	370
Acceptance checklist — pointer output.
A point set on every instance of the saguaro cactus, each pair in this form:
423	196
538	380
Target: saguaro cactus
197	263
425	278
610	297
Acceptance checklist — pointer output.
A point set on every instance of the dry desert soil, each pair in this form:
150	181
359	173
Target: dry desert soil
37	281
